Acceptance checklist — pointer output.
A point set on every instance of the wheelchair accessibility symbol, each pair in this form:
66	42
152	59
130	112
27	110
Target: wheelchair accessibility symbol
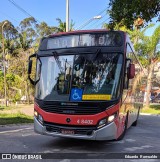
76	94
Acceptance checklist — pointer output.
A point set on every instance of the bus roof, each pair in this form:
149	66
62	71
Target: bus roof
83	31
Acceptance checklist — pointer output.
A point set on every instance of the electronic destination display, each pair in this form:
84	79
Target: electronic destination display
82	40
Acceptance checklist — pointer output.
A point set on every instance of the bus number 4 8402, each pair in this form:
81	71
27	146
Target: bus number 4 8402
82	121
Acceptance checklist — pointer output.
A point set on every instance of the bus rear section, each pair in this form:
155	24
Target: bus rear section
79	86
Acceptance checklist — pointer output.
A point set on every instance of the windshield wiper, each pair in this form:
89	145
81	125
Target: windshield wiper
98	52
56	57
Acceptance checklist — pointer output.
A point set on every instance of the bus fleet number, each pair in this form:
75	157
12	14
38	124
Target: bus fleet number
82	121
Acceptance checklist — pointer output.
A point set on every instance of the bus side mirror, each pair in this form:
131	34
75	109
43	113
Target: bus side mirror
131	71
30	66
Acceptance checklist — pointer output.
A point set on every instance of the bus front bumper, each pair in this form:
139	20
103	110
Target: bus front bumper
107	132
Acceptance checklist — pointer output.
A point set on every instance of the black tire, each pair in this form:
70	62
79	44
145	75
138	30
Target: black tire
124	130
135	122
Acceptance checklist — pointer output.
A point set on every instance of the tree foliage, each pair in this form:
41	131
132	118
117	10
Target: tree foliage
62	25
147	47
126	11
149	54
43	29
10	33
19	44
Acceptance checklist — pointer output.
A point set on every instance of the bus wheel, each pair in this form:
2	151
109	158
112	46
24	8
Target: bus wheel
135	122
124	129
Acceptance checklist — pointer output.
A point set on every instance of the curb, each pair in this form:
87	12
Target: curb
18	124
147	114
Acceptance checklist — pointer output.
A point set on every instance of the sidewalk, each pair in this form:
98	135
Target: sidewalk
22	108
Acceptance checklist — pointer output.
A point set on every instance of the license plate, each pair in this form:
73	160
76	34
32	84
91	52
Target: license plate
65	131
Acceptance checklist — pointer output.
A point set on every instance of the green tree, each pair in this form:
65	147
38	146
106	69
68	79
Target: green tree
62	25
27	37
146	49
1	84
10	34
43	29
148	52
127	11
19	43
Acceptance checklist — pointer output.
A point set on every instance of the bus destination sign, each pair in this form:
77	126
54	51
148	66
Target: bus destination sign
82	40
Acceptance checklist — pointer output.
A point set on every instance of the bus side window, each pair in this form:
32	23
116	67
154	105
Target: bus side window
126	80
130	59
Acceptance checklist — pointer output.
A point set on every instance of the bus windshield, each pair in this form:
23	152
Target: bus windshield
79	77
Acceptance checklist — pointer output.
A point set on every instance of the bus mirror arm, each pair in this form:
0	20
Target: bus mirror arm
131	71
30	69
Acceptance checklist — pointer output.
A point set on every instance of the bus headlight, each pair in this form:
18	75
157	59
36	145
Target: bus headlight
102	123
38	116
111	118
106	120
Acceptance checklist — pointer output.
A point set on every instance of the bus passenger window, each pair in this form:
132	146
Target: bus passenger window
126	80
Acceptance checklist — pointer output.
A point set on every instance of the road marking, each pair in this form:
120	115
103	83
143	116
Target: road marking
13	131
143	160
25	135
130	140
137	148
147	114
51	151
65	160
122	141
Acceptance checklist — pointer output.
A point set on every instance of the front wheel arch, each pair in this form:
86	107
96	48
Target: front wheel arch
124	130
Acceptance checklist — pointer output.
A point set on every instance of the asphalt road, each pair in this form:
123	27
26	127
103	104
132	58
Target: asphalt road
145	138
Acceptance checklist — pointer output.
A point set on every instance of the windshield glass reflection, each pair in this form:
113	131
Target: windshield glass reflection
80	77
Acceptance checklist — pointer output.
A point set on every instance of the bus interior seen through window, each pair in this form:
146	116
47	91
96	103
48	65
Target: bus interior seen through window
88	74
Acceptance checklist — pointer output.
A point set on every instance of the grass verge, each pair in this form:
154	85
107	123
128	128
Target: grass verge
156	107
7	108
15	118
153	109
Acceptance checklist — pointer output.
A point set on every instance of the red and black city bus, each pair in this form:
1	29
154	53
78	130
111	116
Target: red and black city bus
87	85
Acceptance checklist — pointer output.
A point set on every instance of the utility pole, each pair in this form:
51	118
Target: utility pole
67	15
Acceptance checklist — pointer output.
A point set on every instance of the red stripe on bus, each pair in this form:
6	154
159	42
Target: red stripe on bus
75	119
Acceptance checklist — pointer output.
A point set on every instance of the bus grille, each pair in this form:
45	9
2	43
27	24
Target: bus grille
77	130
88	109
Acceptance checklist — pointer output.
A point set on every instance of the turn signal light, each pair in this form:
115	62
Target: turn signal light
35	113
